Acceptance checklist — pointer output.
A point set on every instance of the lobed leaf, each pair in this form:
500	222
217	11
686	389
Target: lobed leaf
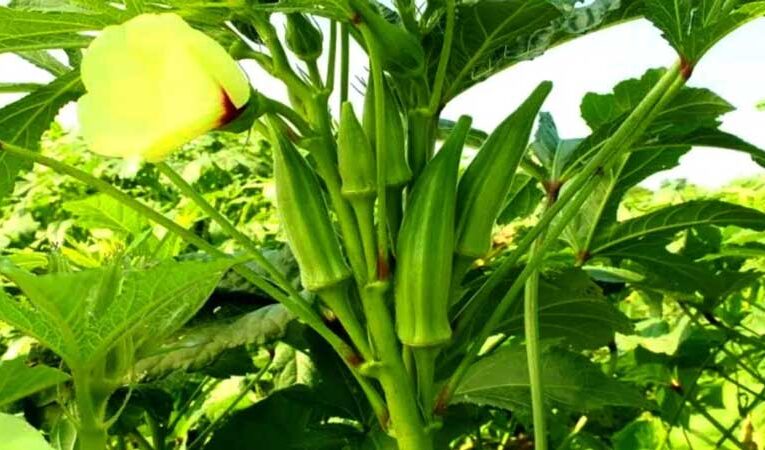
17	380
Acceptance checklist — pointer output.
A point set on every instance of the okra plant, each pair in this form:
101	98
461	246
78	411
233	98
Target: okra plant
391	212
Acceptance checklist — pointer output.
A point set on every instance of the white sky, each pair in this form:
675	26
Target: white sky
735	69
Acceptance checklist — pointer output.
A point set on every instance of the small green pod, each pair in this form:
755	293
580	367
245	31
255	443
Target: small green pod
425	248
355	157
303	38
397	170
489	177
305	218
400	51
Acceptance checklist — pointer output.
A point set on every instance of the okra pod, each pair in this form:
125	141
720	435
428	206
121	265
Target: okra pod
487	180
426	246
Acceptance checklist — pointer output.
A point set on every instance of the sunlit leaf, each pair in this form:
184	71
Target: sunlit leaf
19	435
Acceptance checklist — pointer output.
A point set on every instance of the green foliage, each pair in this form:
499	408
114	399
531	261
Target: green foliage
136	313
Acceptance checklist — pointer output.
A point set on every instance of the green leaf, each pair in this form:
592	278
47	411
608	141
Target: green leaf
692	27
22	30
154	303
80	315
573	308
17	380
491	35
642	433
523	199
690	109
291	418
102	211
333	9
667	221
502	380
194	347
19	435
23	122
44	60
666	271
553	152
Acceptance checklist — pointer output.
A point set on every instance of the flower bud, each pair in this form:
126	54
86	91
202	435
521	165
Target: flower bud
303	38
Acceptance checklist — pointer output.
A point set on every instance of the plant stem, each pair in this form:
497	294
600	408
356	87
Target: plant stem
332	59
533	348
345	62
408	427
380	148
336	297
91	428
443	61
533	357
572	197
425	360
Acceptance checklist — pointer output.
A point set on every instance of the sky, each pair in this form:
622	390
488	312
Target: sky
734	69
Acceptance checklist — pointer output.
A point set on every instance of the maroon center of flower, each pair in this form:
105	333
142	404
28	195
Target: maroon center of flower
230	111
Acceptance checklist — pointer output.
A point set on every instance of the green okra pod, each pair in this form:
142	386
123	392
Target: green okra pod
488	179
305	217
426	246
356	159
358	173
397	170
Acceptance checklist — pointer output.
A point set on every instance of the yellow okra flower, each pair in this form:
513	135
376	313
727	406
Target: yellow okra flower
153	84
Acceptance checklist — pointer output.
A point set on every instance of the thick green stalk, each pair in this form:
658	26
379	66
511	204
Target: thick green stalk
380	147
570	201
91	426
533	358
425	361
408	426
345	62
443	61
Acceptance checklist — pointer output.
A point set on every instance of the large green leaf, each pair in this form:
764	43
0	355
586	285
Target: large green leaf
692	27
80	315
491	35
102	211
573	308
569	379
19	435
24	121
666	271
691	108
194	347
671	219
33	30
17	380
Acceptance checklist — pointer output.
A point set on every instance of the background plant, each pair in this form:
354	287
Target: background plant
639	321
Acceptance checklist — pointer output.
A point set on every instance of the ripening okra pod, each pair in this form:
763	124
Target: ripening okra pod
397	171
311	236
426	246
305	217
357	167
487	180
